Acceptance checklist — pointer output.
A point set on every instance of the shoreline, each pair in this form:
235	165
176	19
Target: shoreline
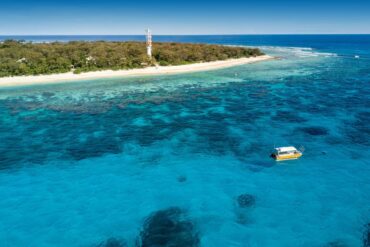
149	71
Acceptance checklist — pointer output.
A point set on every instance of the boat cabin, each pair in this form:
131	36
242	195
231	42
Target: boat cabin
286	153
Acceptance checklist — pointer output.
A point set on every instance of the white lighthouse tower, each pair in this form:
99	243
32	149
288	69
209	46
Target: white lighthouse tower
149	43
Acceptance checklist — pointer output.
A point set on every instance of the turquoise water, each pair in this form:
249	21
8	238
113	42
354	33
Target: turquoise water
156	160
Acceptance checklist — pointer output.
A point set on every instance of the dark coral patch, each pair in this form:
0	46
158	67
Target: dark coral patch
169	228
113	242
93	147
243	219
288	116
315	130
181	179
358	131
48	94
336	243
246	200
366	238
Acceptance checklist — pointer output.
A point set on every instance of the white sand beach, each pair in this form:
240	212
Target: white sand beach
160	70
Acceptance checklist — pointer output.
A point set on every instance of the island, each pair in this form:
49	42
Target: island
23	63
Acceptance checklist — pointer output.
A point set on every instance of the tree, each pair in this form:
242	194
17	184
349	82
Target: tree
26	58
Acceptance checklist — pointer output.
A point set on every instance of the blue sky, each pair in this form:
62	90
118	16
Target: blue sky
184	17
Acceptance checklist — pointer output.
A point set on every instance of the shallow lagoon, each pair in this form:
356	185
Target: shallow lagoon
88	161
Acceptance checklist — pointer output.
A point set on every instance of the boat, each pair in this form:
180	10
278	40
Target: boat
286	153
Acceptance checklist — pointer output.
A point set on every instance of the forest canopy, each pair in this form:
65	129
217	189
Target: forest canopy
27	58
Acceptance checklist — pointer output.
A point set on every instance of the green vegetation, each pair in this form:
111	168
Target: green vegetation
23	58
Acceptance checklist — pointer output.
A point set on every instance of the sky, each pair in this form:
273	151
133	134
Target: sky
111	17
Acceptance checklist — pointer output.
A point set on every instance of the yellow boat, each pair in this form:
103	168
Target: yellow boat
286	153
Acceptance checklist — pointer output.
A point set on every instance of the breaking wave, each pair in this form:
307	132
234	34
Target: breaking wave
294	51
297	51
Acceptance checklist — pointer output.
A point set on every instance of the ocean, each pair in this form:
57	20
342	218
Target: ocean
183	160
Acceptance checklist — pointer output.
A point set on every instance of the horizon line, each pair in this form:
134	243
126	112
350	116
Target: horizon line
185	34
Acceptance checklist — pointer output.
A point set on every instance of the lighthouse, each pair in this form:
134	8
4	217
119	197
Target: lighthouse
149	43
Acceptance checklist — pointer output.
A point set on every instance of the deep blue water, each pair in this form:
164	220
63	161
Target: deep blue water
349	43
184	159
